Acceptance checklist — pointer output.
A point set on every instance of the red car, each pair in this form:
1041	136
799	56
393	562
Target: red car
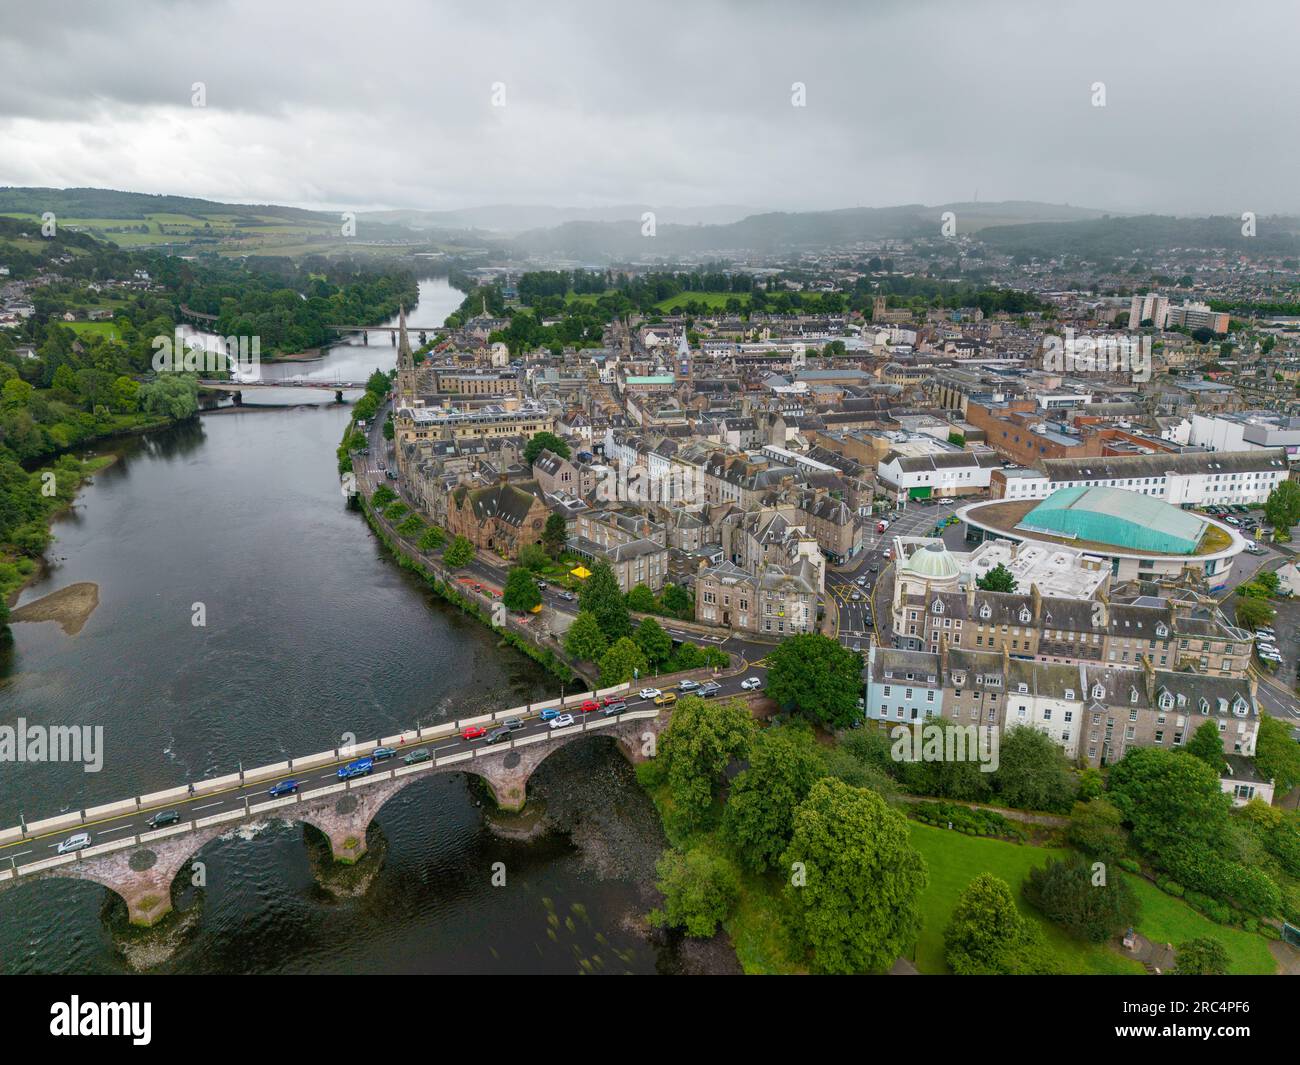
610	700
590	705
472	732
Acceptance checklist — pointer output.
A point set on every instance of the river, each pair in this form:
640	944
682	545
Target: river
309	632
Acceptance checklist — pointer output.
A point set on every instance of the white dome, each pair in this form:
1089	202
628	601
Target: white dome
933	562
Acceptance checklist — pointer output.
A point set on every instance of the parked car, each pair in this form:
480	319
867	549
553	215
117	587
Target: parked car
614	708
589	705
563	721
687	685
74	843
649	693
420	754
164	817
496	735
472	732
379	754
549	714
751	684
666	699
514	724
284	787
362	767
710	688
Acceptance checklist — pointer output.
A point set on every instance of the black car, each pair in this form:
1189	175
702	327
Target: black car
166	817
380	753
709	689
497	734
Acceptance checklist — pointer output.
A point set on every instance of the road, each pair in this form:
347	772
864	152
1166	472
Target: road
850	586
107	830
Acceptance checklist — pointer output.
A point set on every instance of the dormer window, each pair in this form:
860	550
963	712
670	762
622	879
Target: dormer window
1022	688
1204	705
1025	615
986	611
1240	708
1133	695
1098	692
1162	630
938	606
1166	701
1069	694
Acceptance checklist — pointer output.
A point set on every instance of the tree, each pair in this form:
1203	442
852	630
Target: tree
1201	957
534	557
1282	508
174	396
1097	828
1169	799
601	595
383	495
1277	755
818	676
1032	772
758	820
1207	745
520	593
584	640
1253	613
642	600
998	579
1089	902
621	662
655	644
460	552
701	740
700	891
987	935
545	441
555	535
433	538
676	600
854	879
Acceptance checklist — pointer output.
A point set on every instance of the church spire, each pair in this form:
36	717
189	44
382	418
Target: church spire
403	343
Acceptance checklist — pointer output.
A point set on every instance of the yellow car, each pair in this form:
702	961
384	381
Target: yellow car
666	699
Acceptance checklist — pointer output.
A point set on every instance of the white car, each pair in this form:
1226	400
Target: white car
750	683
74	843
563	721
650	693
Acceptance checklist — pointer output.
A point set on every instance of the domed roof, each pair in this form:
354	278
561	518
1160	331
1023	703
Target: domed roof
932	562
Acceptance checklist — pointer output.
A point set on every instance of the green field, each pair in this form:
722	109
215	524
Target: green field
955	859
716	301
106	329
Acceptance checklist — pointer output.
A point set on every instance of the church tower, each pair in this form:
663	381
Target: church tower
405	396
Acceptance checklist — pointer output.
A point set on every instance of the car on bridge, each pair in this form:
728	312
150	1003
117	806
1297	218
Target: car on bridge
513	724
665	698
472	732
362	767
74	843
284	787
650	693
614	708
589	705
421	754
165	817
381	753
549	714
497	734
563	721
710	688
688	685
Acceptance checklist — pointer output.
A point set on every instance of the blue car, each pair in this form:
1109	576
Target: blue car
360	768
284	787
547	715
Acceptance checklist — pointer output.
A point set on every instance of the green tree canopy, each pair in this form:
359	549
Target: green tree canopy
987	935
655	644
460	552
854	879
545	441
700	891
584	640
758	821
1207	745
1201	957
602	597
1091	902
621	662
817	676
520	593
701	740
998	579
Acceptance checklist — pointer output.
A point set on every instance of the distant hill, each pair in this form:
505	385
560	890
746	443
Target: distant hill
110	203
1110	237
512	218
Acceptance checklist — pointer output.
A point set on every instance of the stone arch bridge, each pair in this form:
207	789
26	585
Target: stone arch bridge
142	861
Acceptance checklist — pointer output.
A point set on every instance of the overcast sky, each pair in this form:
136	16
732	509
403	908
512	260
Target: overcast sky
389	103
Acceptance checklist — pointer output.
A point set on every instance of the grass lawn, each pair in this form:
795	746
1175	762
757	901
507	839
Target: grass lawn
713	300
1165	919
106	329
955	859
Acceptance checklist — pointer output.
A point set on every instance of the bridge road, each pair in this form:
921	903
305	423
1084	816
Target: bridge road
107	830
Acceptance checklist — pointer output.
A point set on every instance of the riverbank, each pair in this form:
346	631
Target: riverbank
18	569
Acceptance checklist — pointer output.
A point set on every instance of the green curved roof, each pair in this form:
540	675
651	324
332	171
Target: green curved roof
1117	517
932	562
